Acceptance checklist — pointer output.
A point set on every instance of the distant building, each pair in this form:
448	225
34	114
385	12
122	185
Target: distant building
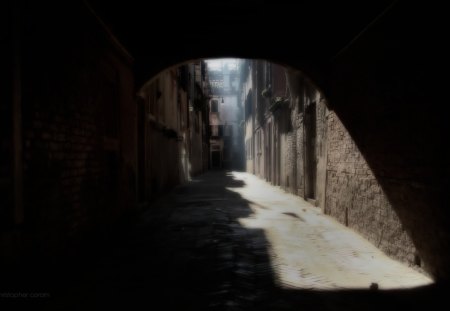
225	114
284	130
173	128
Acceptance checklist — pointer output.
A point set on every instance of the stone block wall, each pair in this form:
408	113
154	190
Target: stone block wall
355	198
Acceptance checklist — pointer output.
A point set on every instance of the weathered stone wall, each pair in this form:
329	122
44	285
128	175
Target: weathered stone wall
385	90
78	128
345	187
289	161
321	148
174	134
355	198
164	154
195	153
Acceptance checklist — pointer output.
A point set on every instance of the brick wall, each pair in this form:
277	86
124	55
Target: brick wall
346	188
321	147
6	125
299	157
289	167
355	198
78	128
163	153
163	162
175	142
384	89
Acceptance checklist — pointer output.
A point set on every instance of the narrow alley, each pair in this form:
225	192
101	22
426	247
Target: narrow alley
223	155
230	241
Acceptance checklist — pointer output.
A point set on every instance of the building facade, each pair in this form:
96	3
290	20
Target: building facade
226	114
173	129
294	141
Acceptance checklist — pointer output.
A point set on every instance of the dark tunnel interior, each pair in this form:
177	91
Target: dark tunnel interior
116	184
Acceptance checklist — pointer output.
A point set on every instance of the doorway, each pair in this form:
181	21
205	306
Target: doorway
310	151
215	159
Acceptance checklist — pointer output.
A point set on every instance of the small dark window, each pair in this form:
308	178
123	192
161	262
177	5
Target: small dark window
214	106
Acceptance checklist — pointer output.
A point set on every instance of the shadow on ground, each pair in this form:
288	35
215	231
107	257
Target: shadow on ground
188	251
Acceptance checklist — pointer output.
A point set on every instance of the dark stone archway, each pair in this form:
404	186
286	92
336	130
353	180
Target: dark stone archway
379	71
377	64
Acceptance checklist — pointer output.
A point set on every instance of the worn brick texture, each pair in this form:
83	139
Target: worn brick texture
297	122
355	198
289	162
78	130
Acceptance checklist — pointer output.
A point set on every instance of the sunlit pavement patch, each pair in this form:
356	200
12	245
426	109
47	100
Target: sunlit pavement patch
313	251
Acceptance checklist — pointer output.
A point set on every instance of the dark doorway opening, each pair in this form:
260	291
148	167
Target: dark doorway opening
310	151
215	159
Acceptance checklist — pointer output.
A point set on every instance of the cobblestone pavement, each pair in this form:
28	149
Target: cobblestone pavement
230	241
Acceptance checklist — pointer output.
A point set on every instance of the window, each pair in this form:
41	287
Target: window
214	106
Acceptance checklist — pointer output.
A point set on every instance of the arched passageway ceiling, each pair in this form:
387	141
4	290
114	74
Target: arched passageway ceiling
304	34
